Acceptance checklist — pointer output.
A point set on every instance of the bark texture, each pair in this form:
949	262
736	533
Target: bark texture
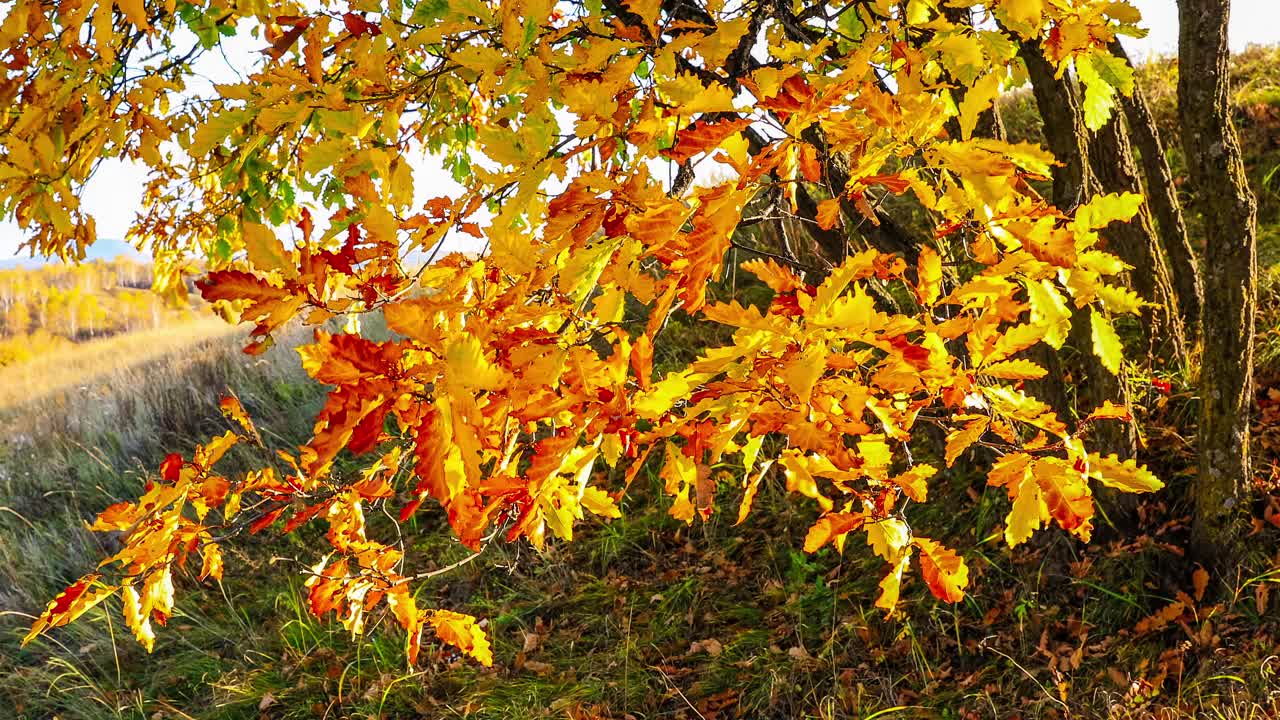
1073	183
1162	198
1221	194
1136	242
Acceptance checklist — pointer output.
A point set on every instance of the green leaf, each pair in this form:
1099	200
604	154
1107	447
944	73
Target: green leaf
1102	76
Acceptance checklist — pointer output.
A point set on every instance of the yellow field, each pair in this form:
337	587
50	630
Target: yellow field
115	362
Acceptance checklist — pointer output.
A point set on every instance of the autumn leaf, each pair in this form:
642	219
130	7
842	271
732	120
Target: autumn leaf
828	213
780	279
944	572
1110	411
1015	370
959	440
80	597
702	137
832	528
463	632
929	272
1123	475
1106	343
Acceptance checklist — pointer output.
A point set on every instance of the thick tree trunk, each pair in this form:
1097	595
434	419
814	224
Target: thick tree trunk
1162	197
1221	195
1136	241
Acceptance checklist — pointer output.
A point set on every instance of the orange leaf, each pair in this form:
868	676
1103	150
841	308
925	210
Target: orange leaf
703	136
462	632
832	527
810	167
780	279
828	213
232	408
943	570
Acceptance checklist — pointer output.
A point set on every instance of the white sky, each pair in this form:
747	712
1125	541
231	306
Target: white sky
114	194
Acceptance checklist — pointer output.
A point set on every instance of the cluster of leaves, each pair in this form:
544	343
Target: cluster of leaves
514	375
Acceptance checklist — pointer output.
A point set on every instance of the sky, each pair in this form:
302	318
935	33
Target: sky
115	192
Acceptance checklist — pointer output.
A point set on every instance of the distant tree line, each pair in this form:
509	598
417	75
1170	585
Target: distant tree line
52	306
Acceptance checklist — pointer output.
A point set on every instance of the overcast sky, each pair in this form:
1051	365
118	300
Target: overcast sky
115	192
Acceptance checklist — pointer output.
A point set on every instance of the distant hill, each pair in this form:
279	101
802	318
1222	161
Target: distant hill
103	249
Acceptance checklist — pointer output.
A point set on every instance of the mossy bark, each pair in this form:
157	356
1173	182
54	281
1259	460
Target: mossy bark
1221	195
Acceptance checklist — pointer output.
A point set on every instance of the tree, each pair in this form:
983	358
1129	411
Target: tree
1222	196
517	371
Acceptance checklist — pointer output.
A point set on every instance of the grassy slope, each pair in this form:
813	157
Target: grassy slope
642	617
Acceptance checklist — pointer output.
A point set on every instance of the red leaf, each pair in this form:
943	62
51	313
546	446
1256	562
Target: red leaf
357	25
265	521
171	467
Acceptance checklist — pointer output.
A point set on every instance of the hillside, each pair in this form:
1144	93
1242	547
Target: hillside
48	308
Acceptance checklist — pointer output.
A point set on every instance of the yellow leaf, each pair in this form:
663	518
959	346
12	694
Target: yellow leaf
800	480
803	371
1106	343
959	440
891	585
716	47
135	12
1120	300
961	53
875	453
462	632
976	100
888	538
599	502
265	250
136	618
1027	14
468	366
647	10
680	475
929	281
1016	339
913	482
1049	310
691	97
1123	475
1015	370
1110	411
1028	512
1102	210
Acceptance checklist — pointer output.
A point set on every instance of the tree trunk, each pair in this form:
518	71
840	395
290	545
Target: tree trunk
1136	242
1073	184
1162	198
1221	195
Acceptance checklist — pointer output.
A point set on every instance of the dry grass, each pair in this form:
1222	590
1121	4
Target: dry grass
98	362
